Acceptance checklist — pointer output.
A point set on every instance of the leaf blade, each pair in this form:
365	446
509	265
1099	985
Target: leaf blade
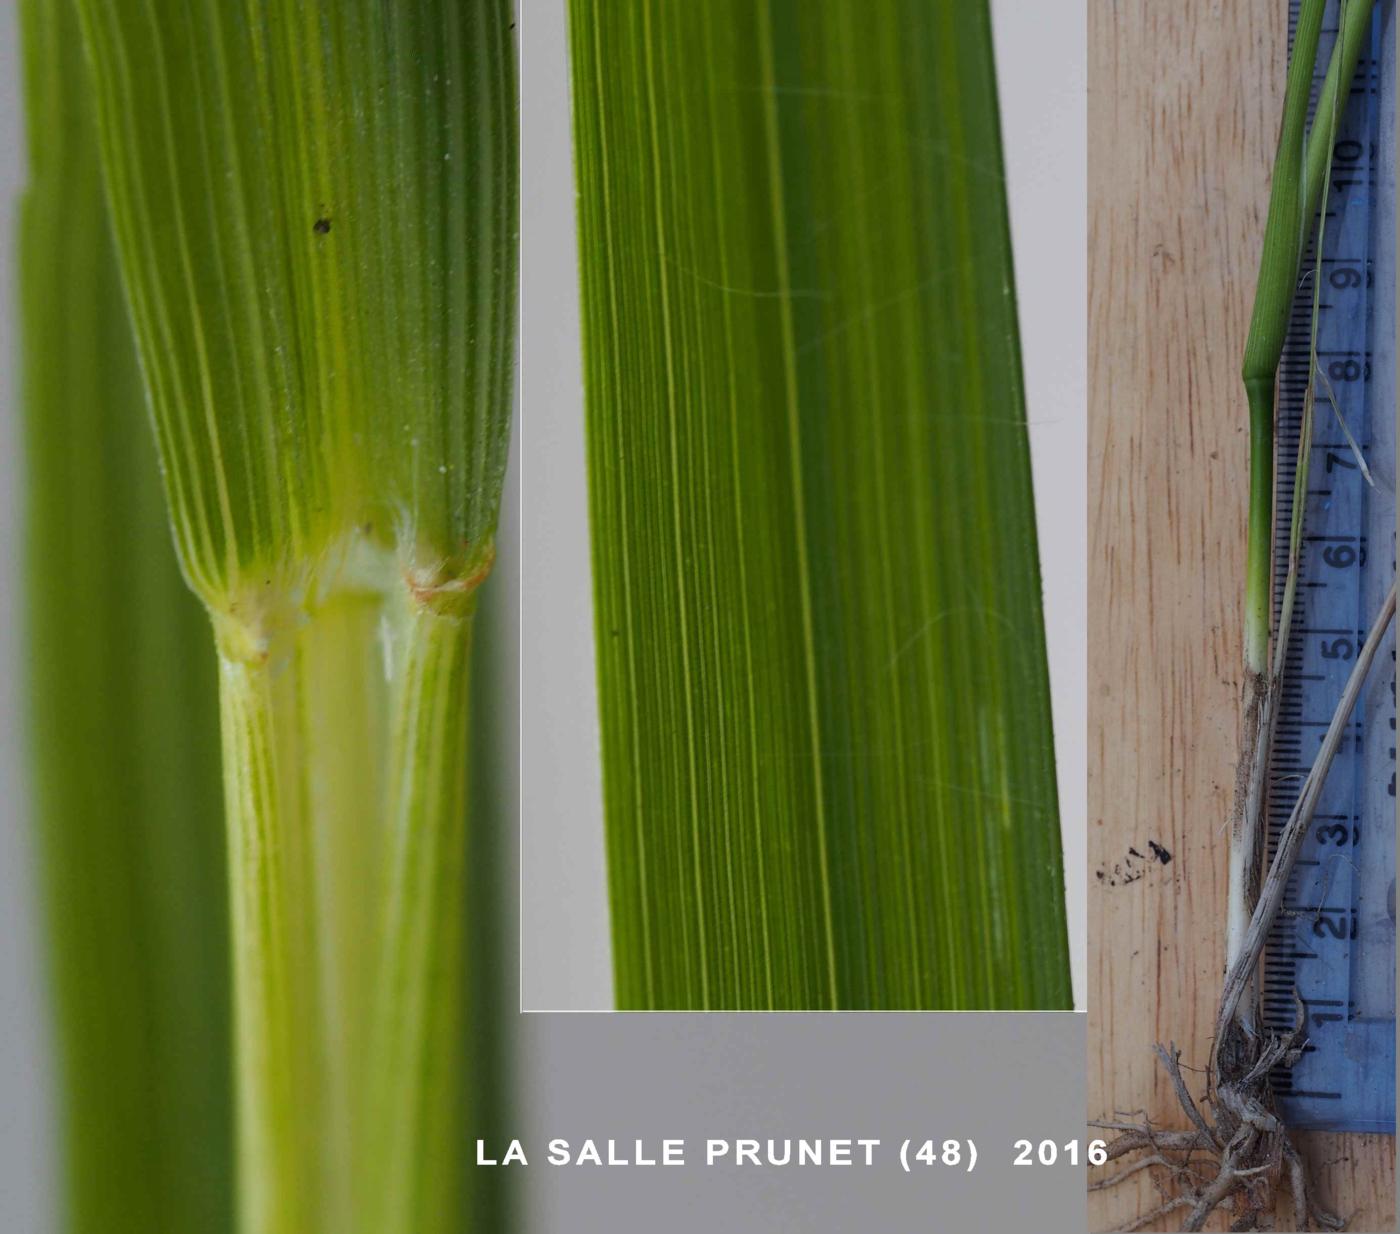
819	628
122	739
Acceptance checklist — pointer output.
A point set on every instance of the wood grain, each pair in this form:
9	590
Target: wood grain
1184	105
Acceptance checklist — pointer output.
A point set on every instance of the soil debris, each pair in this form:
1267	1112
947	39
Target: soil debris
1134	867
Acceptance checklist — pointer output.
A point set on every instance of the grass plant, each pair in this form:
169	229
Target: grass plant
1237	1153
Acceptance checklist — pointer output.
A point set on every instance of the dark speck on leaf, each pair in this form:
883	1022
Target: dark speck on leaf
1134	852
1159	852
321	226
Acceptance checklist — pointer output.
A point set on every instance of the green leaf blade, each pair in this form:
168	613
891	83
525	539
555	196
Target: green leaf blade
829	779
121	704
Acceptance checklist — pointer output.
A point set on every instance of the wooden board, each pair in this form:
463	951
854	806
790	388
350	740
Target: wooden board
1184	103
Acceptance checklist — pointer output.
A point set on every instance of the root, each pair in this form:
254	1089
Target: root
1239	1154
1237	1138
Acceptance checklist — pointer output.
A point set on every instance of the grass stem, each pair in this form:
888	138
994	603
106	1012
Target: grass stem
1268	328
279	1025
1300	172
413	1146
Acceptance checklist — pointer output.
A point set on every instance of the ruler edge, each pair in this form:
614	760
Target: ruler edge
1386	19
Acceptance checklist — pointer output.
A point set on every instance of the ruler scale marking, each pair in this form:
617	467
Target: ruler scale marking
1334	944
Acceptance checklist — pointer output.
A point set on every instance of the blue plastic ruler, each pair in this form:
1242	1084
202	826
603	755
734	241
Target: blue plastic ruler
1334	944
